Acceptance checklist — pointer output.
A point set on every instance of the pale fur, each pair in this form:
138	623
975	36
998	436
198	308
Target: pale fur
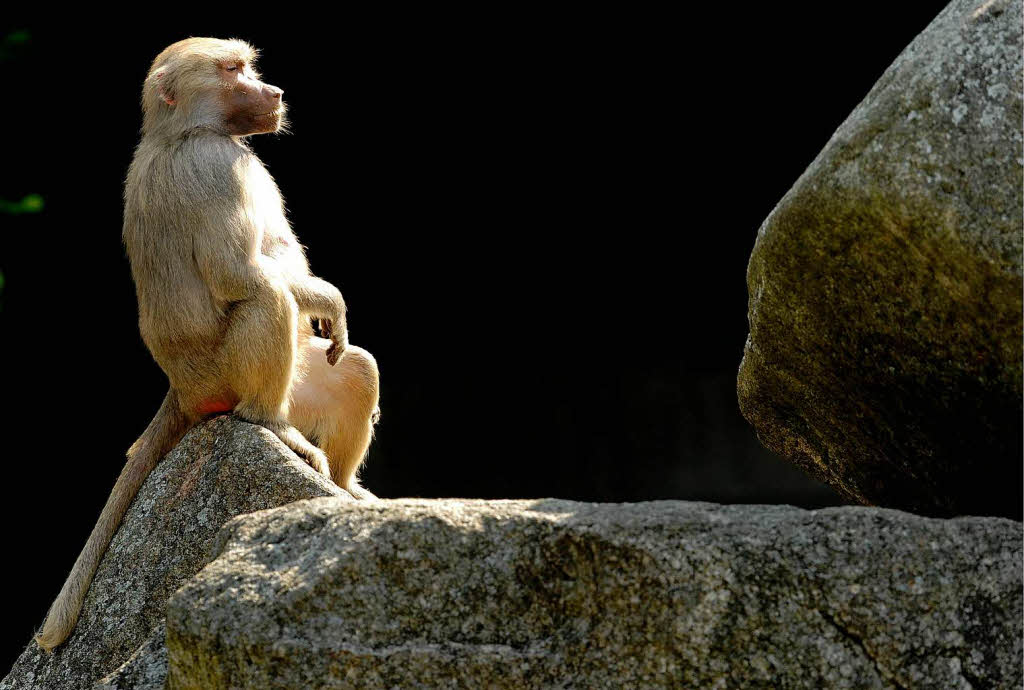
225	296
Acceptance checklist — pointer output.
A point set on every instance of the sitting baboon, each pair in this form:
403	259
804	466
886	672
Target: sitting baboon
225	294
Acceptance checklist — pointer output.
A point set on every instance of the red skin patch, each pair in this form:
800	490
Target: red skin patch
214	406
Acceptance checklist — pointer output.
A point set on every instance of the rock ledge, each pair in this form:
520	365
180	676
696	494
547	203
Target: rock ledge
547	593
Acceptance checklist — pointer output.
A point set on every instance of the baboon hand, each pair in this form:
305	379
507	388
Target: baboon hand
338	338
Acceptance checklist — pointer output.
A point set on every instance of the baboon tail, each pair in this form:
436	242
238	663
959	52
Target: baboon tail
162	434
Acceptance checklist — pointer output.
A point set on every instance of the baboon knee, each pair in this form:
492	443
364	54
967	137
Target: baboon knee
364	368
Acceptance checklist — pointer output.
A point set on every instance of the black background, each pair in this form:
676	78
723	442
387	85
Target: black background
540	224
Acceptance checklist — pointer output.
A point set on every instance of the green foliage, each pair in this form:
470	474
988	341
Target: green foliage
12	43
32	203
10	46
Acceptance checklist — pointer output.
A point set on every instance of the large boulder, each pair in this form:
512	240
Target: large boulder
221	469
546	594
884	354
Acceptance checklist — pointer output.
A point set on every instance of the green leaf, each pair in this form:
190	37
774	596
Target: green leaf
33	203
18	37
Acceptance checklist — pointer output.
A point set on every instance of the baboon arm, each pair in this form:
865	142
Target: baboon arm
314	296
317	298
279	244
229	271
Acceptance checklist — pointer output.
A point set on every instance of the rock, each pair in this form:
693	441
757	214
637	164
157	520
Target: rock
146	669
884	354
545	594
220	469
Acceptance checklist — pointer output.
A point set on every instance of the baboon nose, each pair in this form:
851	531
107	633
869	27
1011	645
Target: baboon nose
275	92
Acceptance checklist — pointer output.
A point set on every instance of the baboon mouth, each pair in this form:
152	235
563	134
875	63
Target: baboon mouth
269	112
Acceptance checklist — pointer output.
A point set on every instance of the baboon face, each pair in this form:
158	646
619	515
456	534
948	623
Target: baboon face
209	82
250	106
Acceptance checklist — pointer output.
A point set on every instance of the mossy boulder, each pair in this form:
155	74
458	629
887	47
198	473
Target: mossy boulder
884	354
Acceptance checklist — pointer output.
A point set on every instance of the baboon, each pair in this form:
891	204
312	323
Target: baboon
225	294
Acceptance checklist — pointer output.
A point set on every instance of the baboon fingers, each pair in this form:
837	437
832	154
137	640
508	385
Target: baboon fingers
318	461
334	353
339	340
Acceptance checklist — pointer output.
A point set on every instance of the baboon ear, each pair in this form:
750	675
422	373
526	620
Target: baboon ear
165	91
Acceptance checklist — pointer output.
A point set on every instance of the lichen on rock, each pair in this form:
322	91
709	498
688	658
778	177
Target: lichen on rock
548	593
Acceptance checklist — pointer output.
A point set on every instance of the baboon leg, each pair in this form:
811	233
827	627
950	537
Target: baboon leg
257	359
338	406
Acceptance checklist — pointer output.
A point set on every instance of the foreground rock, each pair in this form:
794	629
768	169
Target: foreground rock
542	594
219	470
884	354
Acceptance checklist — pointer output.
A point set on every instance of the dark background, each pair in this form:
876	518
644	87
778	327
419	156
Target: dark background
540	224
